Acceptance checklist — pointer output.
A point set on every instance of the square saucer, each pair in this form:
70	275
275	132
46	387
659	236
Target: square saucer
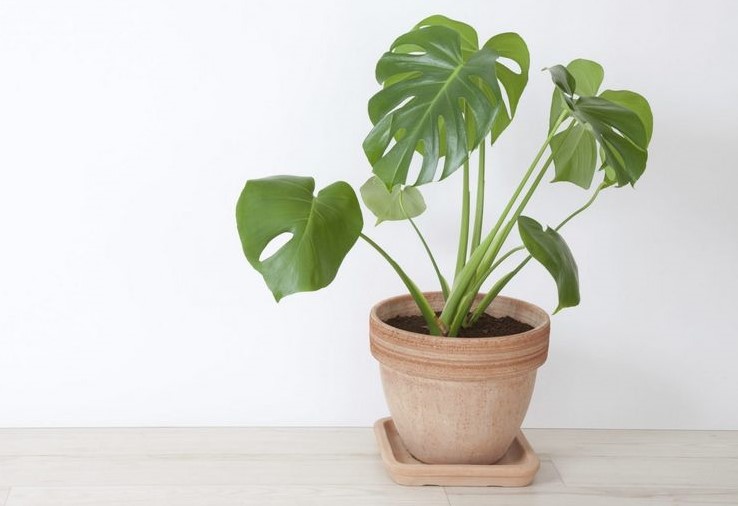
516	468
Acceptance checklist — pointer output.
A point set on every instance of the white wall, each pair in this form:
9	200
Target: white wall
127	130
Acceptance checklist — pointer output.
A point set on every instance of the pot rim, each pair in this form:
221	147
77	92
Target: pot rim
454	358
545	321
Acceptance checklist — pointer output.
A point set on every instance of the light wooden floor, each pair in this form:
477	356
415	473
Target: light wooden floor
326	467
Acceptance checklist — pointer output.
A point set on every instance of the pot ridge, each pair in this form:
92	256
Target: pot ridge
460	359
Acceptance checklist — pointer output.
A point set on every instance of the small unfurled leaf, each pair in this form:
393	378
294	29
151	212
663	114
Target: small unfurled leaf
575	155
563	79
324	228
430	93
398	204
550	249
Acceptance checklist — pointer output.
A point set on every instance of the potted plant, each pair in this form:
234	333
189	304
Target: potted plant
458	364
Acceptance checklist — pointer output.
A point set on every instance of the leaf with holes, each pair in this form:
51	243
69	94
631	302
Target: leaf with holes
398	204
437	86
324	228
507	45
512	46
469	46
637	104
550	249
619	130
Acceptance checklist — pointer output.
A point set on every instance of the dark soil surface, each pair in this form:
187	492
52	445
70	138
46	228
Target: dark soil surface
486	326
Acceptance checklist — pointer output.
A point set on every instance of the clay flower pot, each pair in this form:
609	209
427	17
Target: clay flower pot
458	400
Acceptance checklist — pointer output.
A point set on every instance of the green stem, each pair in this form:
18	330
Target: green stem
464	229
441	279
502	282
499	240
425	308
501	237
459	318
479	209
464	278
584	207
502	259
495	291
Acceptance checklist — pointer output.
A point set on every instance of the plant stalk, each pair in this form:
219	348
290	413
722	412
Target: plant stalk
479	209
441	279
434	325
467	275
464	228
502	259
501	237
502	282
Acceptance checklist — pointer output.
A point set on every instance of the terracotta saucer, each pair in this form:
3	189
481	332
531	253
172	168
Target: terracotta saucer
517	468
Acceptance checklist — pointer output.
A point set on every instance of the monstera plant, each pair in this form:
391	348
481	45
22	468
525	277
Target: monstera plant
444	101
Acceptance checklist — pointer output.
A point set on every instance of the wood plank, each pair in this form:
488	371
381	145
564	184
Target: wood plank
187	441
191	470
634	443
178	441
277	495
229	466
655	472
594	497
550	490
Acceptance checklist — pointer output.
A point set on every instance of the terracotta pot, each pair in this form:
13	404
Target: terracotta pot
458	400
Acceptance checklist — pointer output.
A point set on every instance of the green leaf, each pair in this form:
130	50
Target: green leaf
509	45
611	177
636	103
620	132
563	79
323	229
469	45
574	150
640	107
550	249
437	85
575	155
386	205
588	76
558	104
621	121
469	38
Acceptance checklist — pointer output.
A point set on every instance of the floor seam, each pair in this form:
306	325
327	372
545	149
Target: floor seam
445	494
558	473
